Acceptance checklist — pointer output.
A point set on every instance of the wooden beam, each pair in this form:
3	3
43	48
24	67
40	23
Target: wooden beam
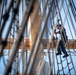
71	44
34	20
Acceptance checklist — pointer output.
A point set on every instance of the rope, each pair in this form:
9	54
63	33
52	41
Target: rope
12	34
36	48
1	10
73	8
5	17
74	30
68	67
67	21
70	18
41	34
32	49
10	25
